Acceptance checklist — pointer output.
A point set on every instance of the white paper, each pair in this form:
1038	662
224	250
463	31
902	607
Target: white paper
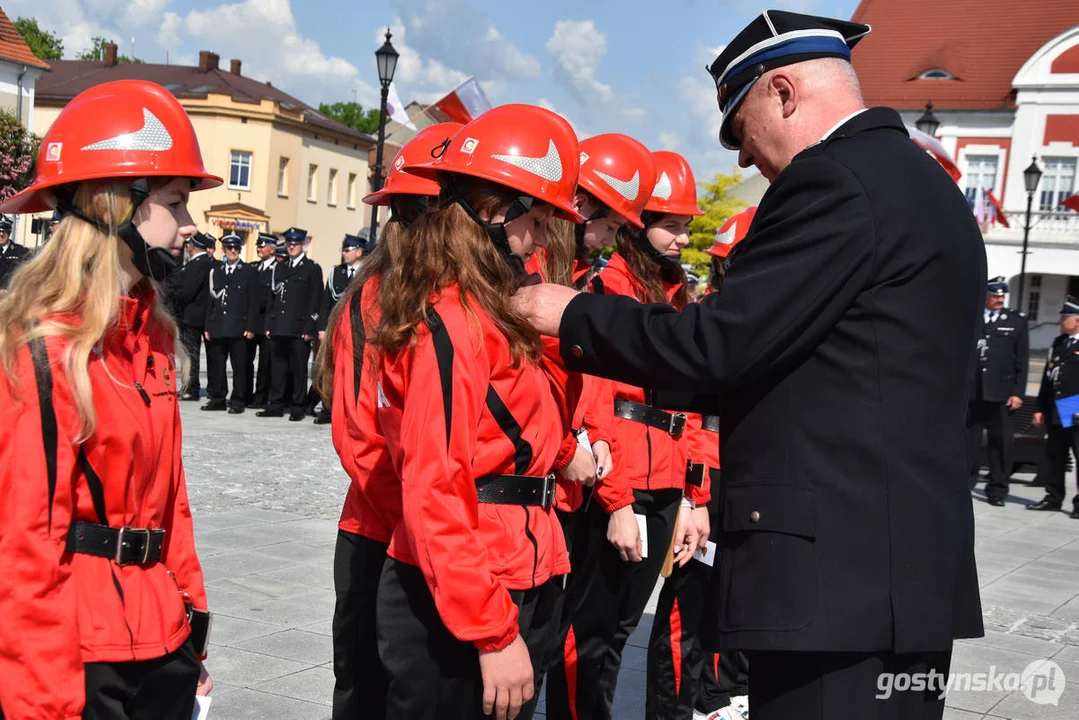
708	555
582	440
202	707
642	525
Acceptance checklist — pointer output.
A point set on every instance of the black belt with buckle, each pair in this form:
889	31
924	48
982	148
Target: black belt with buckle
671	423
695	474
126	545
710	423
529	490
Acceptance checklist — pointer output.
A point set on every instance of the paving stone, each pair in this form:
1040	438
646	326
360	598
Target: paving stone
230	631
287	613
308	575
263	586
1017	706
244	538
313	685
299	552
305	647
240	562
247	704
1018	643
242	668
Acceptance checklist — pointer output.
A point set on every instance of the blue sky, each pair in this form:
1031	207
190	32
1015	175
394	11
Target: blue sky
632	66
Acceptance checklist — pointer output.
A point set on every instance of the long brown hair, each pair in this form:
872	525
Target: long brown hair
648	274
444	247
561	252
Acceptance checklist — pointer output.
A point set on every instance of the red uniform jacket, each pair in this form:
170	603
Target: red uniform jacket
373	503
453	409
59	609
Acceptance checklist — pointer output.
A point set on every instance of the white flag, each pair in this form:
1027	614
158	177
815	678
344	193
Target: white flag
396	108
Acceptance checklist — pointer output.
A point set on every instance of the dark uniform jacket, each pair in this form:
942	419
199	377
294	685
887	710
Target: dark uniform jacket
297	298
12	256
1003	354
1061	377
843	346
233	306
263	294
335	289
188	293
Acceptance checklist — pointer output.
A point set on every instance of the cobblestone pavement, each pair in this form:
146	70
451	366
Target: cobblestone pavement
266	494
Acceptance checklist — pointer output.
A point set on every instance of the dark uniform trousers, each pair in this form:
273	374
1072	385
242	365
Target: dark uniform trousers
361	683
289	365
1000	426
218	351
608	597
191	337
1058	441
258	374
432	674
682	676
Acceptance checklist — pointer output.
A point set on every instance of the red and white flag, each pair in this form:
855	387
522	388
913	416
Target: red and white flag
464	103
996	213
1072	202
396	109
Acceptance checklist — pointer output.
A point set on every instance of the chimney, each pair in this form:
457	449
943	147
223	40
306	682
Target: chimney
110	54
207	61
234	67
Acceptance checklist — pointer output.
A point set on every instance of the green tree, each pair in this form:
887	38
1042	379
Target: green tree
718	204
18	150
352	114
96	53
43	43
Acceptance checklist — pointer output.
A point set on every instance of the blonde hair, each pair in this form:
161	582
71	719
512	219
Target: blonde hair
78	274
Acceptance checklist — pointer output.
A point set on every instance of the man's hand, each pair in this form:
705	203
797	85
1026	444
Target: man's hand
1014	403
1038	420
507	680
581	469
321	335
307	338
624	533
685	544
543	305
206	334
704	526
602	452
249	335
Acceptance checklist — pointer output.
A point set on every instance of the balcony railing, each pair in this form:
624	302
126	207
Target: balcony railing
1045	227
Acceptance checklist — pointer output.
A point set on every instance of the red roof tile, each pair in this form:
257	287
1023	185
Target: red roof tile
983	43
14	48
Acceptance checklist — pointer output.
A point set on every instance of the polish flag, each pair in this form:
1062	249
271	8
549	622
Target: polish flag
996	213
464	103
1072	203
396	108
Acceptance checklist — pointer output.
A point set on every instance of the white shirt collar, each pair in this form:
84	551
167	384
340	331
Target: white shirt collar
234	265
202	252
293	262
267	263
842	122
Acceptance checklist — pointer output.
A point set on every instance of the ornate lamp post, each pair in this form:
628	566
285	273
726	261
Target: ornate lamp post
1031	177
386	58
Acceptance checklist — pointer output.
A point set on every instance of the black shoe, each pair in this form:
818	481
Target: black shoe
323	419
1075	514
190	397
236	410
215	405
271	412
296	416
996	502
1045	505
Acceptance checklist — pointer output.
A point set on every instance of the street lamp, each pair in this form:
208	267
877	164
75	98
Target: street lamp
386	58
1031	177
928	122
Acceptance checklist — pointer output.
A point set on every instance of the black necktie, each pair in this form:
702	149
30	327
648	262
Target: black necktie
350	271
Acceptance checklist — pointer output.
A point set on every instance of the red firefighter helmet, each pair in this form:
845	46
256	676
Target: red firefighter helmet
418	150
523	147
733	231
619	172
126	128
676	190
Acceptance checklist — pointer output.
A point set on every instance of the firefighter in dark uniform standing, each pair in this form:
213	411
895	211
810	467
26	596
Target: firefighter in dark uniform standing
12	255
231	321
292	325
258	389
187	292
352	251
1000	382
1061	380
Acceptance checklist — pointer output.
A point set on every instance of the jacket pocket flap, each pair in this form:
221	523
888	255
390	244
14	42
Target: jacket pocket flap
769	508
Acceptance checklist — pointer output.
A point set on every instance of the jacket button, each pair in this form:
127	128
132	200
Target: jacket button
577	351
754	517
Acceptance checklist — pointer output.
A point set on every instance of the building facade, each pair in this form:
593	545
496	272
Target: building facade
20	70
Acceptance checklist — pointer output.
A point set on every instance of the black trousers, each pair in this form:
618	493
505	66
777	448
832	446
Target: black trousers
191	337
160	689
682	676
360	687
841	686
1058	441
997	420
258	383
218	352
432	674
609	597
288	385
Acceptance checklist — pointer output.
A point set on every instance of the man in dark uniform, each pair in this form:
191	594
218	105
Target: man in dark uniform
12	255
1000	382
188	292
231	320
292	325
1061	380
352	251
847	544
258	390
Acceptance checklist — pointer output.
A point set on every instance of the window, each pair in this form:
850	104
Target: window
312	183
1058	182
936	74
981	173
352	191
282	177
1035	298
240	170
331	194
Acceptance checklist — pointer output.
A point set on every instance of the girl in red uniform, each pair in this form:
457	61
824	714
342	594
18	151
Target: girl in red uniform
100	571
346	379
466	603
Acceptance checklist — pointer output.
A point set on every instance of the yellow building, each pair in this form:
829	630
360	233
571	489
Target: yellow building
284	163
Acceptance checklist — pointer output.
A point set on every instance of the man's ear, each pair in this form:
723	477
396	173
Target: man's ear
782	84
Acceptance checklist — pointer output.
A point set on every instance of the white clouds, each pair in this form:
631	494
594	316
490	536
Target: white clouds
421	80
669	140
700	98
577	48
